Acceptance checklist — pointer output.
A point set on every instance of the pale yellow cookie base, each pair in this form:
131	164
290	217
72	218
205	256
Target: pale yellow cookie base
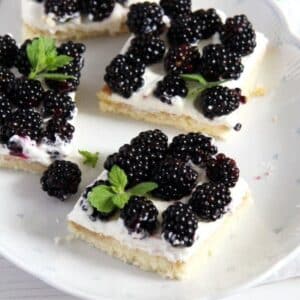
30	32
17	163
182	122
158	264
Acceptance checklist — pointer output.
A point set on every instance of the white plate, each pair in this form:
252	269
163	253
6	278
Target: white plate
267	150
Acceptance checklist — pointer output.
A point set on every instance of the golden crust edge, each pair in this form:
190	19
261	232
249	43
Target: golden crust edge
158	264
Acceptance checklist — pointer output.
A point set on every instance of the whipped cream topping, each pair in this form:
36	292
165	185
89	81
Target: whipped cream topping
155	245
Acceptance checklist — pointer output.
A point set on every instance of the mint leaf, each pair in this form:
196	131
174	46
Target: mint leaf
101	198
142	189
57	62
195	77
89	157
55	76
118	178
120	200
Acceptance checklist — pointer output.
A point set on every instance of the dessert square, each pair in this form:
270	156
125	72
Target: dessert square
162	207
195	73
74	19
38	83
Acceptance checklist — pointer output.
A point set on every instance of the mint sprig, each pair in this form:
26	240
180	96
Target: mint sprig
197	84
89	158
106	198
44	60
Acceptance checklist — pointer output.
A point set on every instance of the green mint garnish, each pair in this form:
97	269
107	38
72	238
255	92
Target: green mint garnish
107	198
45	60
90	158
197	84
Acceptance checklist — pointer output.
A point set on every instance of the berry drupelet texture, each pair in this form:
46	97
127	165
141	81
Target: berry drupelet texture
98	10
219	63
179	225
149	48
223	170
176	8
219	101
140	216
238	35
170	86
193	146
175	179
123	76
8	51
144	18
75	50
22	62
62	10
5	108
61	179
7	79
210	201
182	59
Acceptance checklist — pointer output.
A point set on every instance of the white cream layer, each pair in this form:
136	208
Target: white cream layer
156	245
33	15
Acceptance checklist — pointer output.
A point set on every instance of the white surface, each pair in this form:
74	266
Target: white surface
41	212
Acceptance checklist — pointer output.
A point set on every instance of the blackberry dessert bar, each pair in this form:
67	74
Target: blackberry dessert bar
38	82
194	72
74	19
162	207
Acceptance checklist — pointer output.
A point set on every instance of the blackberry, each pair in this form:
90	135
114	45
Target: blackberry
184	30
219	63
179	225
22	122
62	10
238	35
145	18
7	79
5	108
140	216
26	93
192	146
175	179
8	51
22	62
210	201
209	22
182	59
176	8
99	10
75	50
170	86
224	170
219	101
123	76
61	179
59	128
150	49
58	105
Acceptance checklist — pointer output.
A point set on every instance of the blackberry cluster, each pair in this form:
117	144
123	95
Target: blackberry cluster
184	30
223	170
140	216
58	105
176	8
175	179
182	59
26	93
179	225
219	101
5	108
98	10
209	22
193	146
59	127
239	35
144	18
149	48
7	79
210	201
75	50
170	86
139	157
61	179
8	51
22	62
62	10
219	63
22	122
124	76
